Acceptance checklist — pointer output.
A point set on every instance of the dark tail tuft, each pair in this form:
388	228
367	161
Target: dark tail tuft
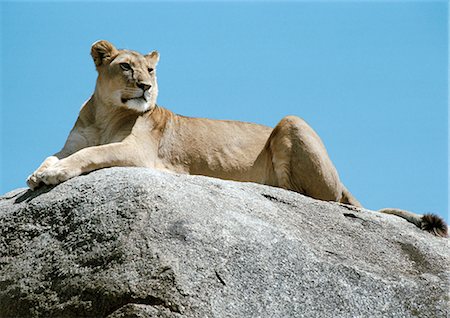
434	224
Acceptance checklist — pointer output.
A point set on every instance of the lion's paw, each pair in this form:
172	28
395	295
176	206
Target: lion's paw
56	174
33	181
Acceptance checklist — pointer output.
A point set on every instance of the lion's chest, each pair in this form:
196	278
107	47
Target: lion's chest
107	137
115	129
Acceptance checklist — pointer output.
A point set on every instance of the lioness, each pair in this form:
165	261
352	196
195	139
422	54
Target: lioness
121	125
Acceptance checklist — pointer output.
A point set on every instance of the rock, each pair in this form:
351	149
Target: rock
135	242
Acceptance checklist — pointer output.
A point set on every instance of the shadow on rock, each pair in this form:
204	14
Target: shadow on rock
29	195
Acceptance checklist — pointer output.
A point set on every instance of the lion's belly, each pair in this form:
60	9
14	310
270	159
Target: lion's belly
220	149
232	162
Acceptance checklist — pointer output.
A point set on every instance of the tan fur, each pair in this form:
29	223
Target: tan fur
120	125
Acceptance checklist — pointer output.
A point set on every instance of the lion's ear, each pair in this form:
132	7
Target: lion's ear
102	51
153	57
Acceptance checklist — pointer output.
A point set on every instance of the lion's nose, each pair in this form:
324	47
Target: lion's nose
144	86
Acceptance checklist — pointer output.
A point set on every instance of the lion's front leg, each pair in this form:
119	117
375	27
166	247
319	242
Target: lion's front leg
33	181
89	159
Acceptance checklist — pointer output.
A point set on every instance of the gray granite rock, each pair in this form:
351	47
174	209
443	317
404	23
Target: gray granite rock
134	242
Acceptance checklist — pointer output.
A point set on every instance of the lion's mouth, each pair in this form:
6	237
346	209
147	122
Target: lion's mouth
140	98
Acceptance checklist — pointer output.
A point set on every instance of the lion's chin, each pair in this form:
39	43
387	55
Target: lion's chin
140	104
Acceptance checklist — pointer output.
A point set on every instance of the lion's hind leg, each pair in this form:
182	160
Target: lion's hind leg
300	161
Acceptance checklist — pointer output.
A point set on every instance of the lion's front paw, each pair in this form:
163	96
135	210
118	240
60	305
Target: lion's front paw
56	174
33	181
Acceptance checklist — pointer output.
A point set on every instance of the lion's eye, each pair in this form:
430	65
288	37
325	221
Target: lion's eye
150	70
125	66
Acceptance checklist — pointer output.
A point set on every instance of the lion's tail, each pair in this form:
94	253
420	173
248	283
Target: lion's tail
427	222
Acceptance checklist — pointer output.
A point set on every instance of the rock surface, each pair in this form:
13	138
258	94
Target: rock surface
134	242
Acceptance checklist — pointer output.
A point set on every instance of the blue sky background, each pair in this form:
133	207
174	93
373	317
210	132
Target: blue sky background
370	77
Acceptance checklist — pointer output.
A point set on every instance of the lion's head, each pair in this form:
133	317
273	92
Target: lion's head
125	78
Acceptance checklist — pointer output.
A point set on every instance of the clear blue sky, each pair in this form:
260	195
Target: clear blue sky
370	77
